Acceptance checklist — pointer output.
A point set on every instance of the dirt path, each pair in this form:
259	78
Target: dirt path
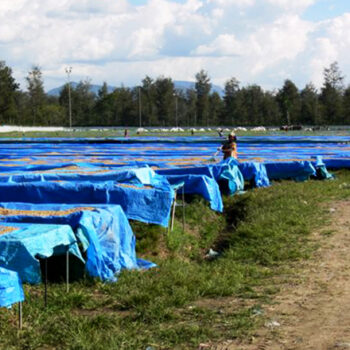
315	312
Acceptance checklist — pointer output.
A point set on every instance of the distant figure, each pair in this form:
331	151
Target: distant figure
126	133
220	132
192	132
229	147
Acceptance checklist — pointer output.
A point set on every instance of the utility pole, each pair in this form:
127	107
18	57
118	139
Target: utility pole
69	71
140	107
176	123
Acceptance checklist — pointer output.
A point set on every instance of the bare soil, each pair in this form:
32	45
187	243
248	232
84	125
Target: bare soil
311	311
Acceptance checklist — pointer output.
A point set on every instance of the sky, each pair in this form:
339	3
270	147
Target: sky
119	42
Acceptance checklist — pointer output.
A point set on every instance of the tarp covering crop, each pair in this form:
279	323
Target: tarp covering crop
11	291
103	232
204	185
139	202
22	244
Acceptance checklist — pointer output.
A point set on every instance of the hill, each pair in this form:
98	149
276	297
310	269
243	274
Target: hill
180	85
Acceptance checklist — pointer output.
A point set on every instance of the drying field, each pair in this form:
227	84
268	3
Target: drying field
206	279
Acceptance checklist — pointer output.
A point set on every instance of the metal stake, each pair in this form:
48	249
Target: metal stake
183	209
173	213
67	270
20	322
45	283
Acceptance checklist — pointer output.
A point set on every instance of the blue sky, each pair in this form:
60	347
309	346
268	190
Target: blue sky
121	41
326	9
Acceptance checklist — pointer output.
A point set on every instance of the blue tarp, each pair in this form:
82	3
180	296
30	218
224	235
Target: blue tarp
290	170
225	170
202	185
142	203
11	291
254	171
143	175
21	248
103	231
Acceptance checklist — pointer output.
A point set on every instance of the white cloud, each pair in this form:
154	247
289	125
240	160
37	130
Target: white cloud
258	41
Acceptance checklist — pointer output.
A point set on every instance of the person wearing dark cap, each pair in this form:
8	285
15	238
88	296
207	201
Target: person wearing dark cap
229	147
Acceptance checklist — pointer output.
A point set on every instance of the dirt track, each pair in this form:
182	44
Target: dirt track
313	313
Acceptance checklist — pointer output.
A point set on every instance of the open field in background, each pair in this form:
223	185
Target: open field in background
119	132
262	237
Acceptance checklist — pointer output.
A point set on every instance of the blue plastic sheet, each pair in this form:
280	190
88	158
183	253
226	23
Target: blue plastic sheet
11	291
103	232
21	248
142	203
256	172
202	185
299	171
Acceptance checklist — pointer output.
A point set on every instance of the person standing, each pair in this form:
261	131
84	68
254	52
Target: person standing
229	147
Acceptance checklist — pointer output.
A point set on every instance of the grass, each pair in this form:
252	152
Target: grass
119	132
189	298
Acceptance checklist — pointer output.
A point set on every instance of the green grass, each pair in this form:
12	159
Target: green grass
119	132
188	299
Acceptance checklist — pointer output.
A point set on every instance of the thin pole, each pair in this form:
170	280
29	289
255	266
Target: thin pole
176	110
67	269
20	319
183	209
173	213
69	71
45	283
140	115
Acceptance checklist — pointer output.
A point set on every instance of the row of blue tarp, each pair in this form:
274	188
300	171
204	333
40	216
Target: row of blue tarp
23	244
139	202
103	233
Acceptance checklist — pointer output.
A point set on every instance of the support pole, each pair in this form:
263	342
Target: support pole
67	270
20	320
173	213
45	283
183	209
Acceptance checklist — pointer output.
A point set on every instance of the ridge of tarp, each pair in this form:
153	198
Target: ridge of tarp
139	202
138	175
25	243
103	231
11	291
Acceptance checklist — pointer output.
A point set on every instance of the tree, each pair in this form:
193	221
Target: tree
148	102
8	90
104	107
231	101
202	87
309	111
331	95
37	97
289	102
346	106
165	101
252	101
215	108
191	107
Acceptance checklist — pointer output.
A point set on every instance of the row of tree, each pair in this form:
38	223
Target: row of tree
158	103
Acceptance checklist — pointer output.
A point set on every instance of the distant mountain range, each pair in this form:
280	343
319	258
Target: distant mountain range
179	85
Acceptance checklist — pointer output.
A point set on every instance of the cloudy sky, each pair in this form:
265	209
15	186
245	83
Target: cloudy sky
120	41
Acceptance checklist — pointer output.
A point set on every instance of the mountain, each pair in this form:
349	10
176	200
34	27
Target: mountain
180	85
94	88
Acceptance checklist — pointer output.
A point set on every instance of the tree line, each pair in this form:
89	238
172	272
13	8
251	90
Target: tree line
156	102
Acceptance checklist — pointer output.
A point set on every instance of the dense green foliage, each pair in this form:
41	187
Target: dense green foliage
262	237
158	103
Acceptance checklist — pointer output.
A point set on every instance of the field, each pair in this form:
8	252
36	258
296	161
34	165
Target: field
216	277
262	237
